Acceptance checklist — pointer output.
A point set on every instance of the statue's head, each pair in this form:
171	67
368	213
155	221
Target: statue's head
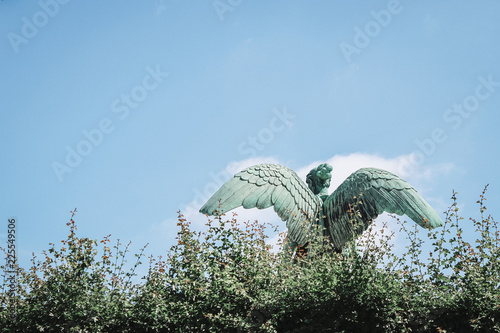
318	179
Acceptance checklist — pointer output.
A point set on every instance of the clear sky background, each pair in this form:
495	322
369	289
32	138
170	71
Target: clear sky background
133	110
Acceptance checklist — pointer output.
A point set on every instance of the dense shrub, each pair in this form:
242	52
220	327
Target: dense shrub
227	279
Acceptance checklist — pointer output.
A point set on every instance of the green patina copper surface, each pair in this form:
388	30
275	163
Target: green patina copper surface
347	212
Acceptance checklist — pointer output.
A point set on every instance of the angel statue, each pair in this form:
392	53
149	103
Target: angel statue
342	215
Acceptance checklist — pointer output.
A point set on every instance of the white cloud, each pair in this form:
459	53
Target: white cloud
343	166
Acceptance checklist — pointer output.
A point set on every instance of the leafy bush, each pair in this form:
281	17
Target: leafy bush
227	279
70	289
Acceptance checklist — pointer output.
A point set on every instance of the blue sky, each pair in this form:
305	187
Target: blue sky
162	100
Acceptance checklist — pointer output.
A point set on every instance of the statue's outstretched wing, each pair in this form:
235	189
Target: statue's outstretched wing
367	193
266	185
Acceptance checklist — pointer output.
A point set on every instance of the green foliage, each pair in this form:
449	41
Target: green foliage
227	279
72	288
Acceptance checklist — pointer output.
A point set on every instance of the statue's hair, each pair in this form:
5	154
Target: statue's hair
312	179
